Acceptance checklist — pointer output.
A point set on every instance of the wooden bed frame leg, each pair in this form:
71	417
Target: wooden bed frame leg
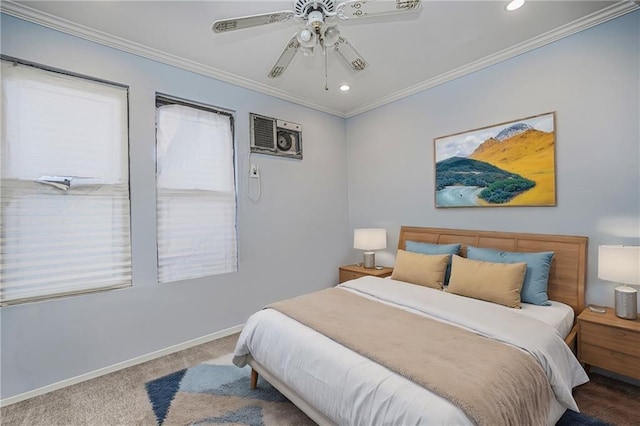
254	379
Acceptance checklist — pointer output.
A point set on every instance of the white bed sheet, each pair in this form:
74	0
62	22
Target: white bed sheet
350	389
558	315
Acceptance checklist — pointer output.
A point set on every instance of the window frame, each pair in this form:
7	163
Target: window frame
125	153
163	99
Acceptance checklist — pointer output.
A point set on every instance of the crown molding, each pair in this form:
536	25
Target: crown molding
606	14
29	14
47	20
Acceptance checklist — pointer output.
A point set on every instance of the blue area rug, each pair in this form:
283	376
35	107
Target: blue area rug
571	418
217	393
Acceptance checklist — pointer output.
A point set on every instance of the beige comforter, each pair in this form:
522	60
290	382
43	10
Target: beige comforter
493	383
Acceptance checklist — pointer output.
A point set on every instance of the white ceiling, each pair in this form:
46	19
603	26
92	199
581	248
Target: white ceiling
406	53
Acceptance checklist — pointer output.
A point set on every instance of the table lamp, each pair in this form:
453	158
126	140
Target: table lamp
621	264
369	239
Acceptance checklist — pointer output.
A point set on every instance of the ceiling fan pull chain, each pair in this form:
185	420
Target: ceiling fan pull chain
326	80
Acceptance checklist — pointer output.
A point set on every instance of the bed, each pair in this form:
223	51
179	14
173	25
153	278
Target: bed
333	384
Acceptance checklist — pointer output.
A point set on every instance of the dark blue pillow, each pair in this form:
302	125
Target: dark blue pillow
534	288
428	248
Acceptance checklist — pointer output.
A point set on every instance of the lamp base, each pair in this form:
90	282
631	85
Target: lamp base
626	302
369	259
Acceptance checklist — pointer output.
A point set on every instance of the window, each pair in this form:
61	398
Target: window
64	185
195	179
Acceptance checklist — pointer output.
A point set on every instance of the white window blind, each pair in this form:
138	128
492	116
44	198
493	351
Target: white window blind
64	185
196	205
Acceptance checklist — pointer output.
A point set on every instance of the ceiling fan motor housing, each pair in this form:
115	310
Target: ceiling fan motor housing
303	7
316	19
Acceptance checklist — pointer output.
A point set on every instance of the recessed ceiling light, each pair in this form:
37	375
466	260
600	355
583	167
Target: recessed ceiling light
514	5
345	87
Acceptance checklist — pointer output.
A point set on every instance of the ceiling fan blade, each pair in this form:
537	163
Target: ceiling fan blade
351	56
285	58
367	8
224	25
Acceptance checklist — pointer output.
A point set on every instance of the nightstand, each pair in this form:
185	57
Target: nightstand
350	272
609	342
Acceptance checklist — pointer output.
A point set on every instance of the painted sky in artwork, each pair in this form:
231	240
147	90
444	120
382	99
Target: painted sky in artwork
463	144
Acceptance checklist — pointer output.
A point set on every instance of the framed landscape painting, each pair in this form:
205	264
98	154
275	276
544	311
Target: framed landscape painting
508	164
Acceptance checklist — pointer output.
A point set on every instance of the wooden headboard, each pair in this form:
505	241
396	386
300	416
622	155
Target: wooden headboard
567	276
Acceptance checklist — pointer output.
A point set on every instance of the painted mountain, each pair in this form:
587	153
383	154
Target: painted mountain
515	167
511	131
500	186
527	152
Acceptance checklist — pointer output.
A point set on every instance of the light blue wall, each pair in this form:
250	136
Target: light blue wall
591	80
291	242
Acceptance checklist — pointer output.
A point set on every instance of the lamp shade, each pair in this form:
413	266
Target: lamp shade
370	238
620	264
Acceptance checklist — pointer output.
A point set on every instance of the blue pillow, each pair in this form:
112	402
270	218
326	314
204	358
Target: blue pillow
534	288
427	248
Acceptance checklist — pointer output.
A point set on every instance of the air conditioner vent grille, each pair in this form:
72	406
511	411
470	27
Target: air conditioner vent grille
263	132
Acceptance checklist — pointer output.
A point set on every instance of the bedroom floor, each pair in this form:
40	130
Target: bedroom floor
118	398
121	397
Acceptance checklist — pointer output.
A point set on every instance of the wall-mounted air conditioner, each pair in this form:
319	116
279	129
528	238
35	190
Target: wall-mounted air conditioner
275	137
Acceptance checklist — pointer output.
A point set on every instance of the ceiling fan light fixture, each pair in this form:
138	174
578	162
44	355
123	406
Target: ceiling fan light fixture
514	5
330	35
306	37
306	51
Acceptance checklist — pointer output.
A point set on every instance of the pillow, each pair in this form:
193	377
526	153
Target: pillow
534	288
421	269
427	248
494	282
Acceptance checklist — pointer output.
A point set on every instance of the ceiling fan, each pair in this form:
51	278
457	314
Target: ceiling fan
320	27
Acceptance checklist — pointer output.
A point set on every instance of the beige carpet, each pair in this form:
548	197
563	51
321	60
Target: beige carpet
120	398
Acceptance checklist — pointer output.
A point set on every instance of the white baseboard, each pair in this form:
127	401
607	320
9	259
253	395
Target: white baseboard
119	366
